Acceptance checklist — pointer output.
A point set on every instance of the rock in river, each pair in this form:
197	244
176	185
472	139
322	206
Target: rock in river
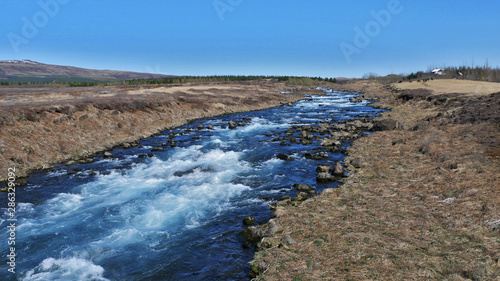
232	125
283	156
330	142
324	177
302	187
323	169
249	221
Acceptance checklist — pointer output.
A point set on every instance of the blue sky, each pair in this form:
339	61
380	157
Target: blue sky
252	37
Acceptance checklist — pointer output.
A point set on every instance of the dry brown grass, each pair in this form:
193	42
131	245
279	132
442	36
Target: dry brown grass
420	207
38	127
453	86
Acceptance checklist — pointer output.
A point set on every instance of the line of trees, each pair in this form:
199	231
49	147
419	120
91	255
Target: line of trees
292	80
477	73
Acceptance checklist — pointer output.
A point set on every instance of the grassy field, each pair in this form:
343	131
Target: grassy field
424	205
452	86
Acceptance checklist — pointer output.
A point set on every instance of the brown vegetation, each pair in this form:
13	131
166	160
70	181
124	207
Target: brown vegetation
453	86
424	205
40	126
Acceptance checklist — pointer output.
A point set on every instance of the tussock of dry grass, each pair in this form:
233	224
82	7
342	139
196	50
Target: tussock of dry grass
420	207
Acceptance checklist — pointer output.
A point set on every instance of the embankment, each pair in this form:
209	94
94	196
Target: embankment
421	201
41	126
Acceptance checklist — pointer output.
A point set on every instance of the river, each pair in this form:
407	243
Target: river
176	216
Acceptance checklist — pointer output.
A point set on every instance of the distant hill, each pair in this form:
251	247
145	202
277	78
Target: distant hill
32	71
339	79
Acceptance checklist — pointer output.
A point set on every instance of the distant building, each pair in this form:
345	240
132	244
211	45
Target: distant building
438	71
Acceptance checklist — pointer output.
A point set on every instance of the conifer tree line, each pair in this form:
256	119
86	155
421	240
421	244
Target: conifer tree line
479	73
291	80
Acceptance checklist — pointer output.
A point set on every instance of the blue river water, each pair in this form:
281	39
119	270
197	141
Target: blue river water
176	216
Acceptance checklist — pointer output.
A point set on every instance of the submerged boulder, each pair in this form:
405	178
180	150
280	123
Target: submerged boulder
249	221
284	157
317	156
232	125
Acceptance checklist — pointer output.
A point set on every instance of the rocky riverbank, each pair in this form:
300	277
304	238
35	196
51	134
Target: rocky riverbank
42	126
421	200
331	136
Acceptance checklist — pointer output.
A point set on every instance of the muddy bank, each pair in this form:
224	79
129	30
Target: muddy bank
43	126
421	200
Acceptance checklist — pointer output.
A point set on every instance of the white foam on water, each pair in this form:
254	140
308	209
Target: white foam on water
63	204
67	269
272	163
219	143
107	160
24	208
27	226
257	125
140	206
57	173
121	237
251	201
